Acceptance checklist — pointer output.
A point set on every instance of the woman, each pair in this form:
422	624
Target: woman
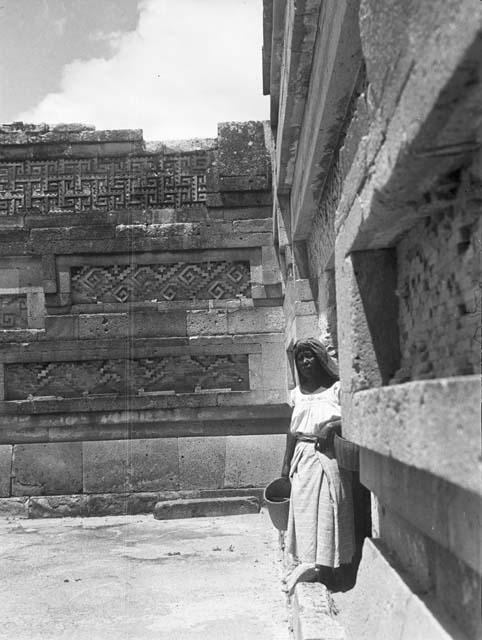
320	531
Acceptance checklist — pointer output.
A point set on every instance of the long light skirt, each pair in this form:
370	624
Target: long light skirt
320	523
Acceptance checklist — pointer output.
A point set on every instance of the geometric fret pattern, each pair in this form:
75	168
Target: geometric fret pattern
13	311
119	376
103	183
160	282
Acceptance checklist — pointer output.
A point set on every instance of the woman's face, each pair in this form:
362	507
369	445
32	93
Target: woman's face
307	364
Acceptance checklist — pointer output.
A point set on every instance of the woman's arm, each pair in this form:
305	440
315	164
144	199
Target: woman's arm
327	434
290	448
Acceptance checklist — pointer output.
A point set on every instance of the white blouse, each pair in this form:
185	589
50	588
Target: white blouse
312	410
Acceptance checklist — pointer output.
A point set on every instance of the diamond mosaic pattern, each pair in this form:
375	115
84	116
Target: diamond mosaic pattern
119	377
161	282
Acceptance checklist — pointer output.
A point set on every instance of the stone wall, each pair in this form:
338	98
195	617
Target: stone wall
376	116
141	322
438	273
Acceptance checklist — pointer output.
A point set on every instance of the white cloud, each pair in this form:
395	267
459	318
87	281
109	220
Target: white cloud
188	65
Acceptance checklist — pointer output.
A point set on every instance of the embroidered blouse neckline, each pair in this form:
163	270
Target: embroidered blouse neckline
310	393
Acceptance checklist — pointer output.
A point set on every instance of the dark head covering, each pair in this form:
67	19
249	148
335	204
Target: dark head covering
327	363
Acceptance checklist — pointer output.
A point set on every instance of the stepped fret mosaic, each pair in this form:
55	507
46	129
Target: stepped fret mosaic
103	183
160	282
13	311
120	376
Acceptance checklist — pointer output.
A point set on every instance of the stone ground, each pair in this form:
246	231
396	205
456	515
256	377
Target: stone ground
136	578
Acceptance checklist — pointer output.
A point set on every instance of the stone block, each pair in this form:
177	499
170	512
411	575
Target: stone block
407	543
212	322
305	327
46	469
458	589
205	507
442	511
120	466
381	603
64	281
243	161
57	506
113	325
36	309
62	327
255	371
5	470
263	225
252	460
421	424
260	320
146	323
274	360
312	617
258	291
202	462
13	508
9	278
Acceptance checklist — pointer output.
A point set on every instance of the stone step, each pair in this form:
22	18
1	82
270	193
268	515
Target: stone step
206	507
312	614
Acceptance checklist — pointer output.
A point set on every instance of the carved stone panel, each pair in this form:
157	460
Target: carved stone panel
103	183
13	311
161	282
121	376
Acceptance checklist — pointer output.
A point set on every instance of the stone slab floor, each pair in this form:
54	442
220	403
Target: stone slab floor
136	578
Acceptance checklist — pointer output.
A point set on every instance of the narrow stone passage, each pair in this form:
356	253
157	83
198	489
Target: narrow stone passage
135	578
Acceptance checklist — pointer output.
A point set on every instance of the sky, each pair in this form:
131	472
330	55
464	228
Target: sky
174	68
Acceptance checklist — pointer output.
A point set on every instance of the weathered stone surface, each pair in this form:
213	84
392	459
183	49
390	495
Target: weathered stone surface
312	615
243	162
5	470
145	323
436	570
202	462
62	327
57	506
131	465
263	320
103	326
13	508
210	322
274	366
39	469
253	460
441	510
438	271
205	507
421	425
383	606
367	327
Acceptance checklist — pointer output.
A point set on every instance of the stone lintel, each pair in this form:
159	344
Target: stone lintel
299	40
161	423
432	425
336	62
240	402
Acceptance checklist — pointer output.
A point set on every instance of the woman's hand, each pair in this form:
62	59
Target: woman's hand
326	434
